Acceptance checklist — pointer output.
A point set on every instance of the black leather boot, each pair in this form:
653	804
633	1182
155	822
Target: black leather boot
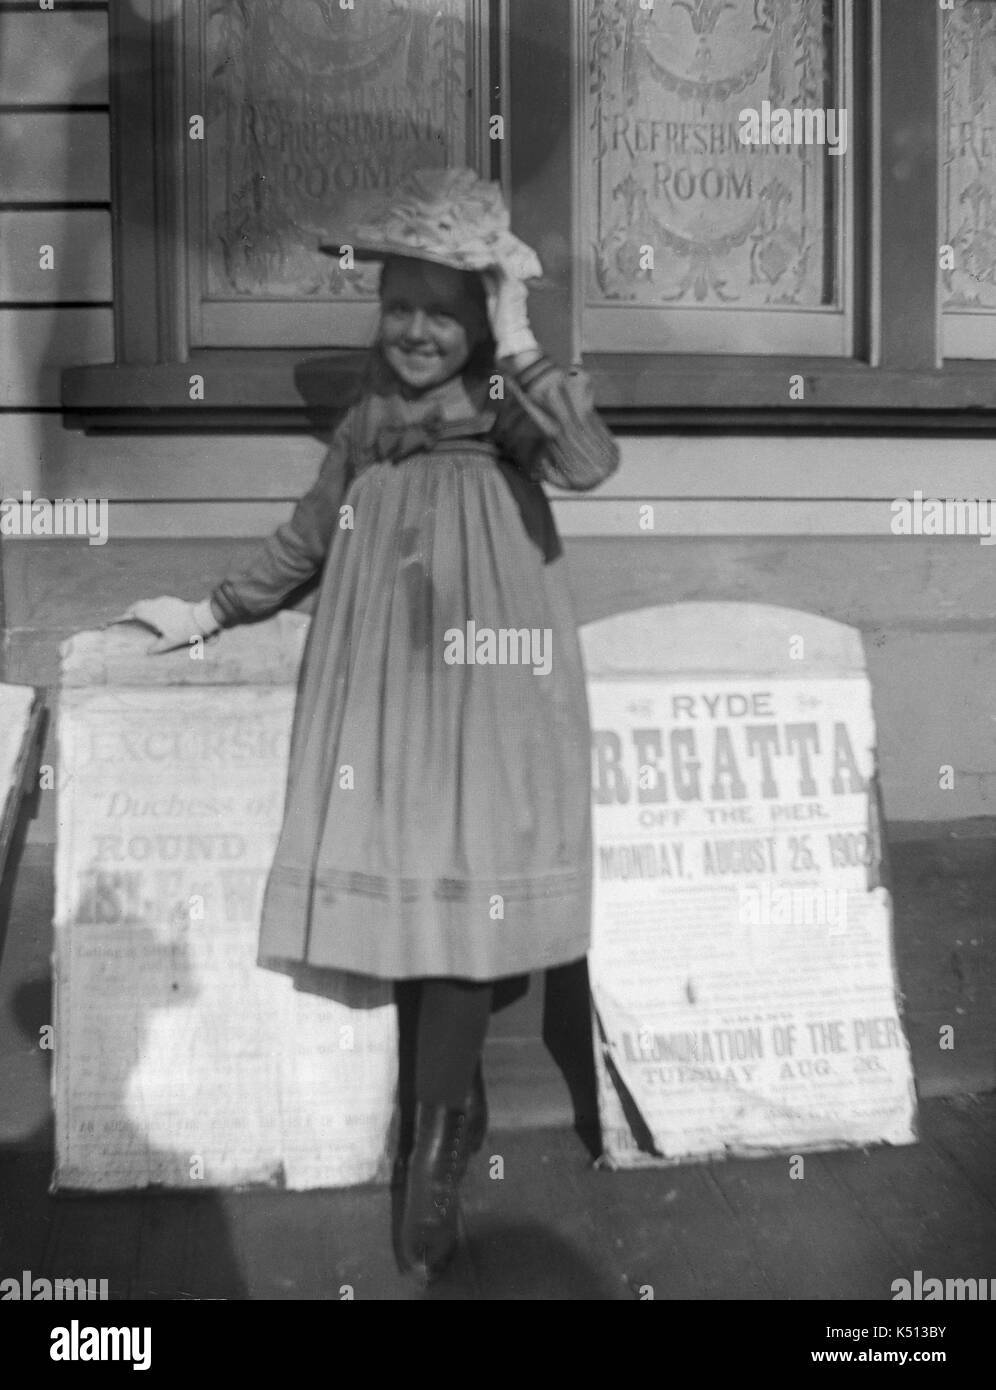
437	1163
477	1126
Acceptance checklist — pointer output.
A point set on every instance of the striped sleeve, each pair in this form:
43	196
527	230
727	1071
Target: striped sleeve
296	550
551	428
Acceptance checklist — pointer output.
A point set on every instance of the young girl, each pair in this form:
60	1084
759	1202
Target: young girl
442	668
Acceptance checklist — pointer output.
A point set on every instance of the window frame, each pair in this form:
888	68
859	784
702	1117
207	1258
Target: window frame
224	320
896	381
814	331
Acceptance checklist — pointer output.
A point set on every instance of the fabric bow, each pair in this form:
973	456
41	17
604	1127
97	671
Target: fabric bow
391	429
397	439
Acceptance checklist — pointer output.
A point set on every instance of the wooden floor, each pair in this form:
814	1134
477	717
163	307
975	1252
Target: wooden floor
553	1227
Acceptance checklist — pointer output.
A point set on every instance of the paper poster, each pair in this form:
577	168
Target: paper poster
742	971
178	1062
17	703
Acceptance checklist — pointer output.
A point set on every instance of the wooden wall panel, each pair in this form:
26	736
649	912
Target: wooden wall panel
729	485
53	57
823	467
50	460
35	345
81	247
54	157
719	517
237	517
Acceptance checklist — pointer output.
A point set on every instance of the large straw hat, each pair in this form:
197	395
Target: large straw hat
449	216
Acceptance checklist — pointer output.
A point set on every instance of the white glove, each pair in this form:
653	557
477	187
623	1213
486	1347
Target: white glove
508	313
176	621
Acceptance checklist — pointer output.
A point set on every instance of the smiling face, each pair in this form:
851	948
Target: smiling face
431	321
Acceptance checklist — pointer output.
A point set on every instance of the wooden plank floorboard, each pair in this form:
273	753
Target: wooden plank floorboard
962	1131
923	1207
309	1245
186	1249
672	1230
96	1238
531	1234
26	1217
163	1236
214	1263
281	1242
811	1240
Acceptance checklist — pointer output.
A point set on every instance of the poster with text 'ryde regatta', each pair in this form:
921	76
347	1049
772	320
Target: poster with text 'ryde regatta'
742	972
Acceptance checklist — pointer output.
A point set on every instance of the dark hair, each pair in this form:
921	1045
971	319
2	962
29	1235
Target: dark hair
479	365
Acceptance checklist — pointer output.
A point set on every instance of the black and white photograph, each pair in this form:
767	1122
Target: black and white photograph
498	669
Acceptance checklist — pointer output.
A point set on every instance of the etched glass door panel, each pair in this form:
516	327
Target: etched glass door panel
968	179
696	241
310	106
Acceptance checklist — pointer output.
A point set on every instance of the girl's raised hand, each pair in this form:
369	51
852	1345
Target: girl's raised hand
177	621
507	298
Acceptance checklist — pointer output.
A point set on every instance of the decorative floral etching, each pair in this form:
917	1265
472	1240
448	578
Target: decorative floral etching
968	174
309	107
664	167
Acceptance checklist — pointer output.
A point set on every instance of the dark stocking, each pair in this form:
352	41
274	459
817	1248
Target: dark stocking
443	1024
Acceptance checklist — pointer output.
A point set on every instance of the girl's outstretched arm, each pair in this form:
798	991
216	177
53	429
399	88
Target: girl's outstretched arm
296	550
